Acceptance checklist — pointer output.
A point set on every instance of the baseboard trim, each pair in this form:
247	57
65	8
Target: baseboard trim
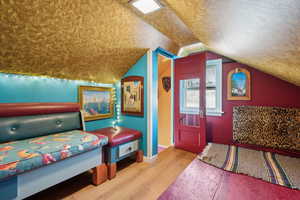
150	159
163	146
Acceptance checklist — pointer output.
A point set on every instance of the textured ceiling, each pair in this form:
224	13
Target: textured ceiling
92	40
263	34
166	21
99	40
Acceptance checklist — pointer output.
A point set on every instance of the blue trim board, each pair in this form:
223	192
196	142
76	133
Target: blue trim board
154	102
165	53
24	89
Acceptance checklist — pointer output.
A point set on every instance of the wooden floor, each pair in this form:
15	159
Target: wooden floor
201	181
141	181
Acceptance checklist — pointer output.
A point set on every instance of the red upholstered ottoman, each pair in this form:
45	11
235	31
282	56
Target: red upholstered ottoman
122	143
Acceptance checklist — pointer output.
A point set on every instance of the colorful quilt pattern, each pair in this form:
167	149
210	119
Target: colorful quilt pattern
24	155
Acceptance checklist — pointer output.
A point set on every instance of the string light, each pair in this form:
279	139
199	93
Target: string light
76	82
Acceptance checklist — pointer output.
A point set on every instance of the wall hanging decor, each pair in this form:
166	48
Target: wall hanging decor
273	127
166	82
239	84
132	95
96	102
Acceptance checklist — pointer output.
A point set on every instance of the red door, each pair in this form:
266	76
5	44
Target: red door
189	102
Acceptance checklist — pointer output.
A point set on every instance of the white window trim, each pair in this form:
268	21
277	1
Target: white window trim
219	110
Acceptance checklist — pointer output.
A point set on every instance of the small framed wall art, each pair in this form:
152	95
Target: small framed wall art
132	95
239	84
166	82
96	102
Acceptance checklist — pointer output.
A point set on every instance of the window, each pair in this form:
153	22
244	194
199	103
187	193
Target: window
189	96
190	88
146	6
214	87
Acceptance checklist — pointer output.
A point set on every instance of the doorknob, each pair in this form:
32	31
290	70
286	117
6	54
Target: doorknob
201	113
181	118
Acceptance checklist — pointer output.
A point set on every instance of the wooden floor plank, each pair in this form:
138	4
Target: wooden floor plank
136	181
201	181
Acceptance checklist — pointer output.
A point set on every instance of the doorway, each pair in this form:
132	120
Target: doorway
165	136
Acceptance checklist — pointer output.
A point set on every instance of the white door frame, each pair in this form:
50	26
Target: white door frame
172	102
150	105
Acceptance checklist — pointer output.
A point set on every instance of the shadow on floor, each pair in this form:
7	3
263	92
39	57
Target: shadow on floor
70	186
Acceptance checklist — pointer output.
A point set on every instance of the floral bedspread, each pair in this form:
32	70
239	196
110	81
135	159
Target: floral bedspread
23	155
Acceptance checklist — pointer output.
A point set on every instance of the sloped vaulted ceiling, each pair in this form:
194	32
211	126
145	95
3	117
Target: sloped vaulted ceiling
264	34
100	40
96	40
166	21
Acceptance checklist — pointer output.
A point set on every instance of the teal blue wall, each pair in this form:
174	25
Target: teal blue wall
138	123
18	88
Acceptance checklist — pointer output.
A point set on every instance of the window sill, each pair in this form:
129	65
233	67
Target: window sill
217	114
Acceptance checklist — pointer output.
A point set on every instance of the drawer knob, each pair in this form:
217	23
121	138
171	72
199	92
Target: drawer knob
129	148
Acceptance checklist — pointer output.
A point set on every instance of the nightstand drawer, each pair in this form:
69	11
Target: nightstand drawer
130	147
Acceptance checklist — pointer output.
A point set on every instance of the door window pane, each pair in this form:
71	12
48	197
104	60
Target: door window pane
190	102
189	96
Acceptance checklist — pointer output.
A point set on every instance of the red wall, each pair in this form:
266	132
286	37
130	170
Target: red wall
266	90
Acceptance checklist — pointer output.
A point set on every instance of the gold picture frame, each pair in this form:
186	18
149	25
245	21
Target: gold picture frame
96	102
239	84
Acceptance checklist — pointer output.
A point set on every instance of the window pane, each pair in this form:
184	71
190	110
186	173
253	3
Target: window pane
213	86
211	80
211	76
211	102
192	98
189	102
189	95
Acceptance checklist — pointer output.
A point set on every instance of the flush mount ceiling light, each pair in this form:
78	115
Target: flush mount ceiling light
146	6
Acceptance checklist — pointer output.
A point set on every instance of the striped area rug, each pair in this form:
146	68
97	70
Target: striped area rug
271	167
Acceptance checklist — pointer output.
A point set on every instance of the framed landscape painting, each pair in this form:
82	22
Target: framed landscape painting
132	95
96	102
238	84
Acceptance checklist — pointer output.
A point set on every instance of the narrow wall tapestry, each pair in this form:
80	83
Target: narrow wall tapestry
132	95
